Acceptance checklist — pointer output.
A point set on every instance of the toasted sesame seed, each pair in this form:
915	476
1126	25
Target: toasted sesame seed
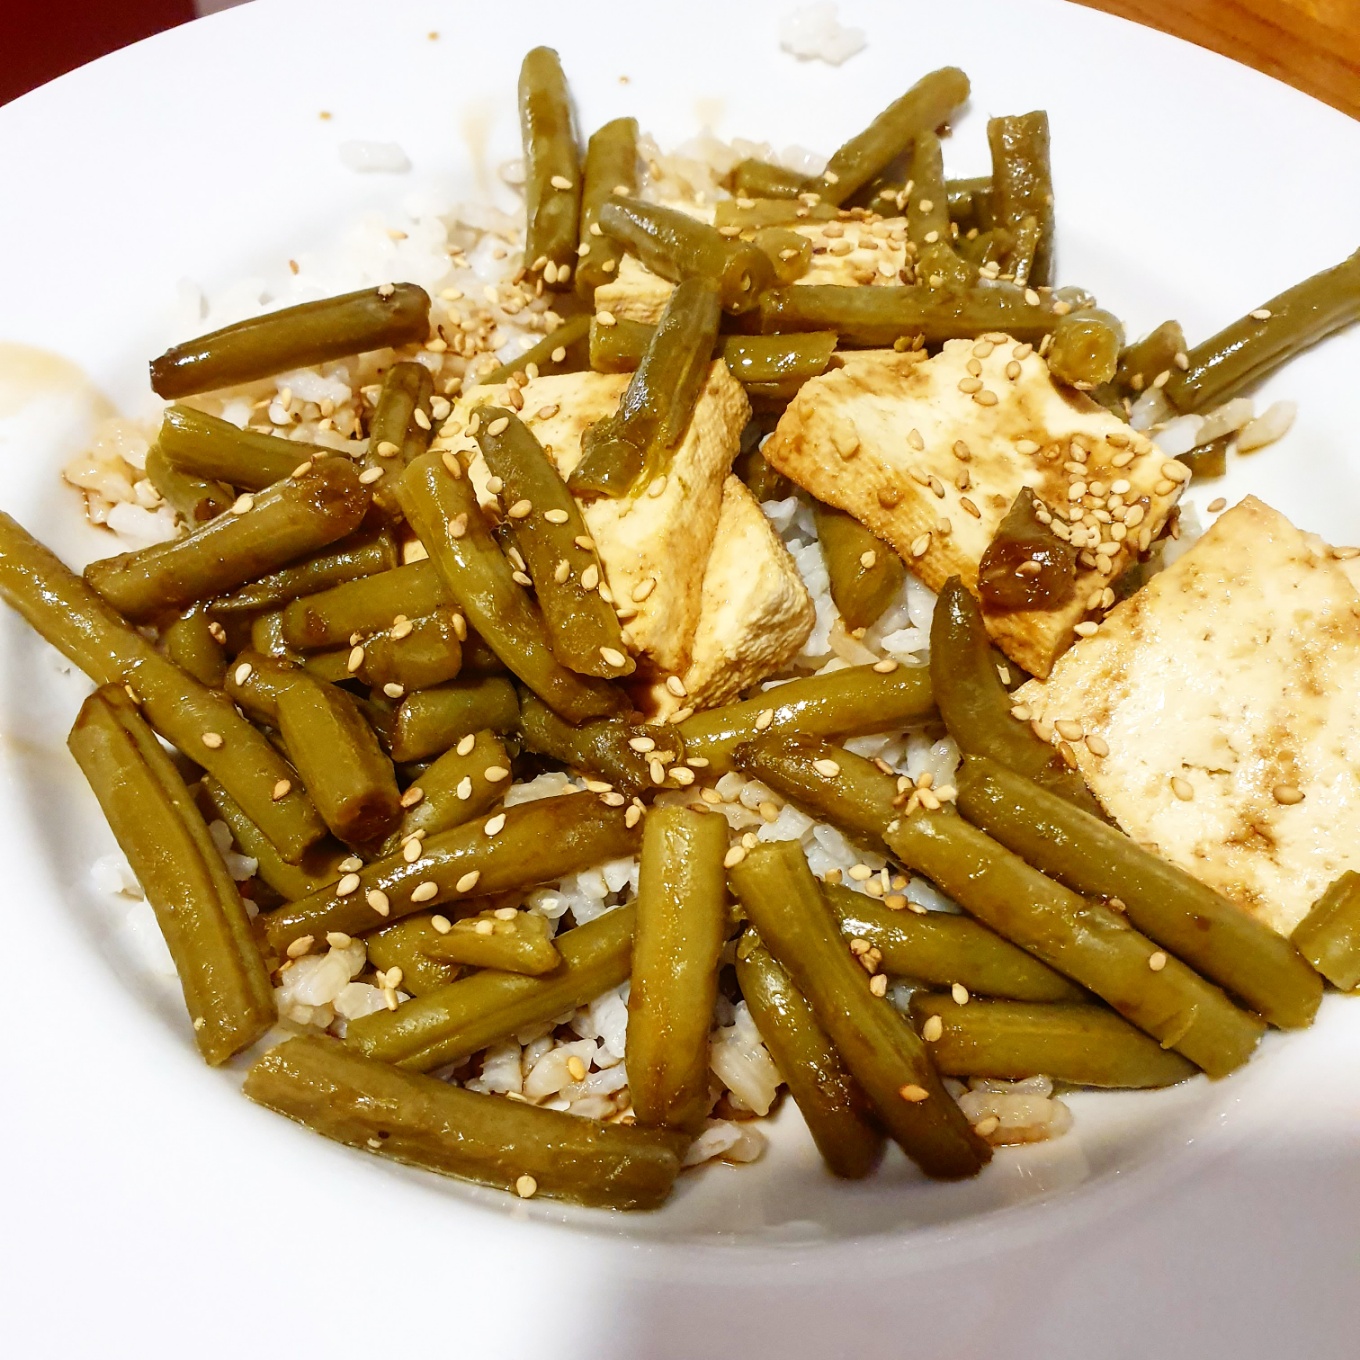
1157	961
464	789
734	856
885	667
1218	503
642	744
348	884
1260	314
932	1029
1068	729
643	589
412	796
281	790
521	509
1088	627
682	775
243	504
829	768
970	385
521	578
1288	794
987	1126
496	825
377	899
212	740
912	1093
657	486
526	1187
868	558
493	774
370	475
878	984
921	545
299	946
605	318
410	852
970	507
590	577
1097	746
764	718
458	526
355	660
393	690
634	815
657	771
243	672
1182	788
611	656
676	686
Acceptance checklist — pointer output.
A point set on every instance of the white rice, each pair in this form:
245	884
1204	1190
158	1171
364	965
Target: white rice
815	33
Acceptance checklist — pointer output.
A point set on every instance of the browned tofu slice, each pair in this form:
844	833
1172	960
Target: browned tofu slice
929	453
1223	701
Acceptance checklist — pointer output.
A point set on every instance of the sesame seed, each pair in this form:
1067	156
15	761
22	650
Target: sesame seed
243	504
299	946
829	768
606	318
920	546
764	718
458	526
1157	961
1182	788
464	789
657	487
885	667
590	577
337	939
212	740
960	994
915	440
861	873
734	857
412	796
1260	314
987	1126
634	815
498	426
657	771
1288	794
676	686
348	884
970	507
932	1029
526	1187
611	656
520	509
643	589
377	899
912	1093
520	578
424	892
410	852
350	864
393	690
243	672
642	744
556	516
867	559
1162	378
1097	746
496	825
1089	627
970	385
301	470
281	790
683	776
1068	729
356	659
442	924
1219	503
493	774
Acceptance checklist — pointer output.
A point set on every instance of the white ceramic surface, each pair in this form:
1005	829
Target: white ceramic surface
145	1202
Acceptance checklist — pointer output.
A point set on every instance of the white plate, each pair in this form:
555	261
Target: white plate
146	1201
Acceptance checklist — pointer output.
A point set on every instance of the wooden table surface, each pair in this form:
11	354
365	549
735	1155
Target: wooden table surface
1313	45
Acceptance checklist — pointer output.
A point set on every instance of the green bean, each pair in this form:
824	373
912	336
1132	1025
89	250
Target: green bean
1329	936
1090	943
759	478
399	430
453	790
64	610
941	949
853	702
538	843
681	928
987	247
429	722
197	906
866	574
561	351
975	705
474	1012
1091	857
289	520
876	317
1261	341
970	203
677	247
833	1105
365	553
548	530
502	938
1085	348
751	214
610	168
1026	565
926	106
199	445
1022	186
883	1053
1024	250
296	337
753	178
190	644
1144	361
370	604
443	511
1208	460
427	1123
266	636
192	499
415	653
634	445
941	267
789	252
255	682
927	204
618	348
552	170
623	753
1010	1041
403	946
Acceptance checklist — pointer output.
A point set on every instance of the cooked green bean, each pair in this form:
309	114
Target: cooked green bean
681	928
561	351
1090	943
415	653
1144	361
751	214
365	553
942	949
422	1122
546	526
1262	340
1085	348
1010	1041
1026	565
369	604
191	645
290	519
833	1105
197	905
403	945
760	479
503	938
753	178
852	702
203	723
552	168
1091	857
539	842
789	252
429	722
266	635
1329	936
398	431
882	1051
866	574
677	247
199	445
926	106
256	680
987	247
970	203
1207	460
927	204
465	1017
610	168
1022	187
453	790
193	499
443	511
1024	250
634	445
296	337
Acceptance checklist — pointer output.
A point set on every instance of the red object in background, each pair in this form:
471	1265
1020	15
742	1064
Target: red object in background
42	39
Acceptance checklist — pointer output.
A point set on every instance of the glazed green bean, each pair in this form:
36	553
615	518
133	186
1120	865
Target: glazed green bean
1144	361
369	604
561	351
751	214
970	203
1090	943
548	530
443	511
422	1122
866	574
539	842
404	946
1026	565
503	938
552	169
414	653
266	635
296	337
833	1105
759	478
1262	340
610	168
203	723
453	790
1329	936
941	949
1085	348
365	553
1022	186
191	645
464	1018
1207	460
882	1051
852	702
429	722
398	432
928	203
197	906
987	247
1010	1041
681	928
634	445
926	106
753	178
677	247
789	252
193	499
1091	857
290	519
196	444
